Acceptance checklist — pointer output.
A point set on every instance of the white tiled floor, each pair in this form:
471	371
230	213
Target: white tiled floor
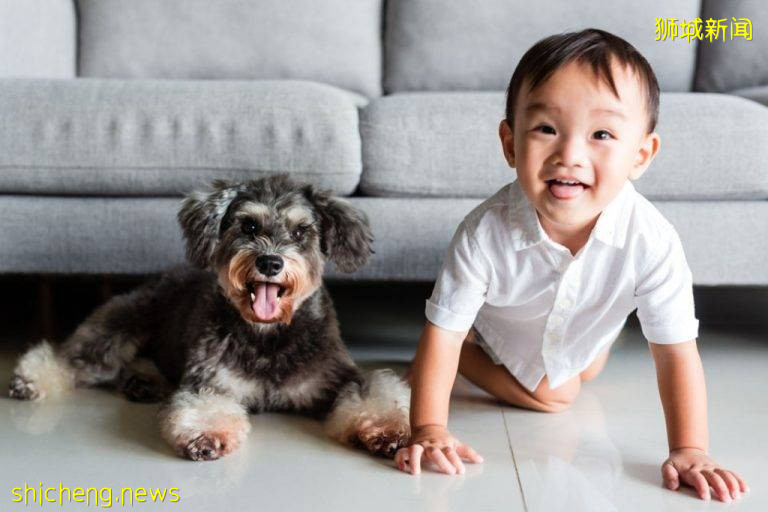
602	455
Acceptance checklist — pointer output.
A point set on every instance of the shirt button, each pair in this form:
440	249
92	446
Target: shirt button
552	337
565	303
557	320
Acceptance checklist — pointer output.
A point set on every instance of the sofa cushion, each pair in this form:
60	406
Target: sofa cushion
333	41
410	236
37	38
737	63
476	44
713	146
758	94
135	137
446	144
433	144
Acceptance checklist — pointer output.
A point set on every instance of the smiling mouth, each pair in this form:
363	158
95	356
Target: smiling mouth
566	189
265	299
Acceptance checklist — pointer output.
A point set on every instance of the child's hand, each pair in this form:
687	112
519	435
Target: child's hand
436	444
694	467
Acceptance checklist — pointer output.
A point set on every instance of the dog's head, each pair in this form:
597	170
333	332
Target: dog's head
268	240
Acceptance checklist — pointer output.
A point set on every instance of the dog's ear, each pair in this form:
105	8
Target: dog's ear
200	218
345	234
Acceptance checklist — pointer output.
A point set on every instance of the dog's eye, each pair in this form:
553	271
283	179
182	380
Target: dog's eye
249	226
299	232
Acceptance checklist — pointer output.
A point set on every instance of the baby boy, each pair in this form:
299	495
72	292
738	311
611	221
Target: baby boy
540	278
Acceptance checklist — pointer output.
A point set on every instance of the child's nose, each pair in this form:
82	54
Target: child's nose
571	152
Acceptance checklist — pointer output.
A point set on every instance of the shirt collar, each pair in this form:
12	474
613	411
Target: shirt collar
613	222
610	228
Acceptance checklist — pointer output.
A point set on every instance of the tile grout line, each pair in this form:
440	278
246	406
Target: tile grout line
514	460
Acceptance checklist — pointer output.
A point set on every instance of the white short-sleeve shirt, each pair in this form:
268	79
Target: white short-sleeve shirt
543	311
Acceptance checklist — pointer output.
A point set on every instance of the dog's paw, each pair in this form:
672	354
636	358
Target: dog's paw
22	389
142	388
382	437
208	446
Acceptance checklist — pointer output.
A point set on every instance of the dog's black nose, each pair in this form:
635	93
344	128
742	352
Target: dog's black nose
269	265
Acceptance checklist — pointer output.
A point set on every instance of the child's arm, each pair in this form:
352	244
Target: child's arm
434	371
684	399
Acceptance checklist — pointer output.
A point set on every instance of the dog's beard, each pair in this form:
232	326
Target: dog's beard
262	303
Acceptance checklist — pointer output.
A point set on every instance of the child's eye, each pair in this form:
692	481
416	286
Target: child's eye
603	135
545	129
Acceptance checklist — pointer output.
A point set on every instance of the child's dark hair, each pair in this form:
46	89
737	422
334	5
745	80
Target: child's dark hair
590	46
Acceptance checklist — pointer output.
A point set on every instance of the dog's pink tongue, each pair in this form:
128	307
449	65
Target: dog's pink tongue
265	306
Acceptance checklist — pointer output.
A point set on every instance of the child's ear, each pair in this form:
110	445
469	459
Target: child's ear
645	154
507	136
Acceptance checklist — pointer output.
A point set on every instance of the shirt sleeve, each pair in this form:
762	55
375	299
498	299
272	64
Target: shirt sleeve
462	284
664	296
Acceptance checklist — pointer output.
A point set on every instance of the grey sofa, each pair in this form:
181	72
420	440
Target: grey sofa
111	109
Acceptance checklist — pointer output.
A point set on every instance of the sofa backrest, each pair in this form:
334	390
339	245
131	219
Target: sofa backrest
366	46
337	42
737	63
37	38
475	44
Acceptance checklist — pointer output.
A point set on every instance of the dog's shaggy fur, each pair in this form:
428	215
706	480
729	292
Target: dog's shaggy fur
249	328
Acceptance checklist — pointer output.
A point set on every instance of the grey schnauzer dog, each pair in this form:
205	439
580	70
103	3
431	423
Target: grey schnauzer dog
248	328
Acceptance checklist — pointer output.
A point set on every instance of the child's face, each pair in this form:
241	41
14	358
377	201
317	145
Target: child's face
573	128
